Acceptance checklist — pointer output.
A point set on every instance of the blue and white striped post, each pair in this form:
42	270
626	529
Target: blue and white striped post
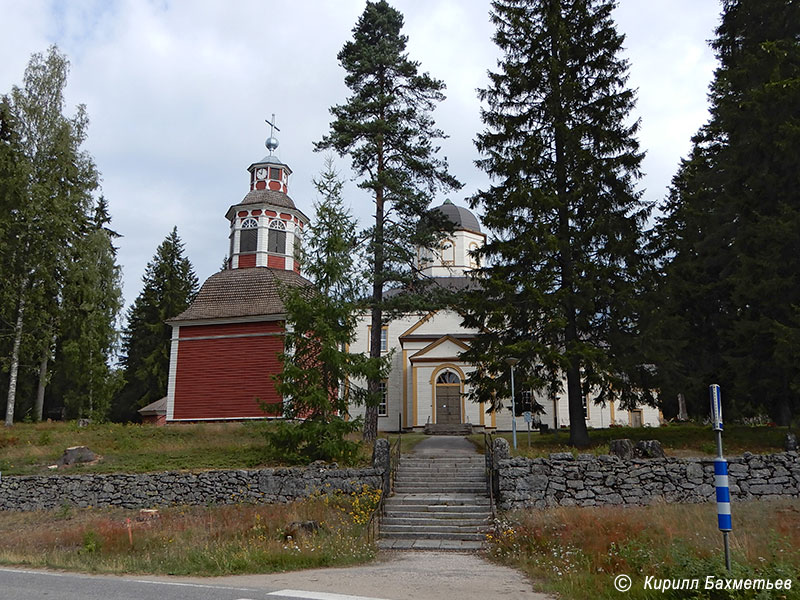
721	474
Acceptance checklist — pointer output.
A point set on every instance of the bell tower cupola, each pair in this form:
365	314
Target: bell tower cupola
266	227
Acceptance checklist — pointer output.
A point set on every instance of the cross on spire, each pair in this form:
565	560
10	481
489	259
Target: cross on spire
272	141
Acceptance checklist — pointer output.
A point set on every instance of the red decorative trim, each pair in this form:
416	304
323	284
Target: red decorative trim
274	185
255	212
261	185
286	216
247	260
242	213
270	213
276	262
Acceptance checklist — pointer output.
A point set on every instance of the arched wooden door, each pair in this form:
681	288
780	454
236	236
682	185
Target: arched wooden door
448	399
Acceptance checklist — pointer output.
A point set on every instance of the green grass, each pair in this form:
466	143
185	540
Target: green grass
577	552
205	541
27	449
677	440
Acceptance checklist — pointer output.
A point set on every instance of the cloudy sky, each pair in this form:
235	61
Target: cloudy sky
177	93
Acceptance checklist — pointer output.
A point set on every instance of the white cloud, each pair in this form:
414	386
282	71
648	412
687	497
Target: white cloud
177	93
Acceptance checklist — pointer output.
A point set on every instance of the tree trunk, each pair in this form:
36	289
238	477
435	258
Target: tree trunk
578	434
38	409
12	380
371	412
376	323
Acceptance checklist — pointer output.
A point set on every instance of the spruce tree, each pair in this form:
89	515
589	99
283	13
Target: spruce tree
560	285
387	130
87	335
170	285
730	236
320	377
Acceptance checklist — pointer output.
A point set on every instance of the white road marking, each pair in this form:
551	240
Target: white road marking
318	595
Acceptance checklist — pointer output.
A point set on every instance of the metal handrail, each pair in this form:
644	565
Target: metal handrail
488	441
373	526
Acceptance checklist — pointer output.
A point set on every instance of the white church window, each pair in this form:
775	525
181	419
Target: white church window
276	241
448	252
448	377
248	236
473	260
382	406
384	338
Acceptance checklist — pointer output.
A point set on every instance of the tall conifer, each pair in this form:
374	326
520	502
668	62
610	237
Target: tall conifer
170	285
387	130
320	376
560	280
731	233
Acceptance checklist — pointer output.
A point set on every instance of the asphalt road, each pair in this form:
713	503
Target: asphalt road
20	584
394	576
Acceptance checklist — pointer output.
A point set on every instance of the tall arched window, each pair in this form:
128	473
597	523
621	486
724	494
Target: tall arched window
276	242
248	236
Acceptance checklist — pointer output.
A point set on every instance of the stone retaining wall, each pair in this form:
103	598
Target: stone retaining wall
146	490
563	480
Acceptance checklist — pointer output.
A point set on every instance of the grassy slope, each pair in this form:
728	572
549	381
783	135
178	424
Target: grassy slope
677	440
577	552
27	449
214	540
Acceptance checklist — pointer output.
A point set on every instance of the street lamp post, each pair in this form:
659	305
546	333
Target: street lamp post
511	361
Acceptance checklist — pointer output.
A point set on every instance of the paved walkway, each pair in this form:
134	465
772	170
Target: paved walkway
444	445
400	576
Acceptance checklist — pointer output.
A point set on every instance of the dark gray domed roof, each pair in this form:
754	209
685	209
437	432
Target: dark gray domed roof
462	218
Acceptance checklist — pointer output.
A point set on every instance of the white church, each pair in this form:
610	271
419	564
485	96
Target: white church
427	382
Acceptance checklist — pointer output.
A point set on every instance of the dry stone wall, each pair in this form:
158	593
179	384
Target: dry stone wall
147	490
563	480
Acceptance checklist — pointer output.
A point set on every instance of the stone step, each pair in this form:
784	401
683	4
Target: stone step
421	531
460	429
427	472
438	545
438	500
443	488
439	486
440	517
454	520
436	464
423	472
468	459
444	475
433	535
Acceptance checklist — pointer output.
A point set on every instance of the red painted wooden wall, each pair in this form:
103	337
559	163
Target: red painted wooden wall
220	376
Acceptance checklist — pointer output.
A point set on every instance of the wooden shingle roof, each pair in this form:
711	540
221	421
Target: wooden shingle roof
241	293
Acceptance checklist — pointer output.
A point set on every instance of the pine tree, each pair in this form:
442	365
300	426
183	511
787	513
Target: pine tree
319	377
732	227
561	283
56	199
170	286
386	129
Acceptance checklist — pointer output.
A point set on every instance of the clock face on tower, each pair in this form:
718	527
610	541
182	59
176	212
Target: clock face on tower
261	173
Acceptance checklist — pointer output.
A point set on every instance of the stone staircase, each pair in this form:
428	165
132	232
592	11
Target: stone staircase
439	503
460	429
